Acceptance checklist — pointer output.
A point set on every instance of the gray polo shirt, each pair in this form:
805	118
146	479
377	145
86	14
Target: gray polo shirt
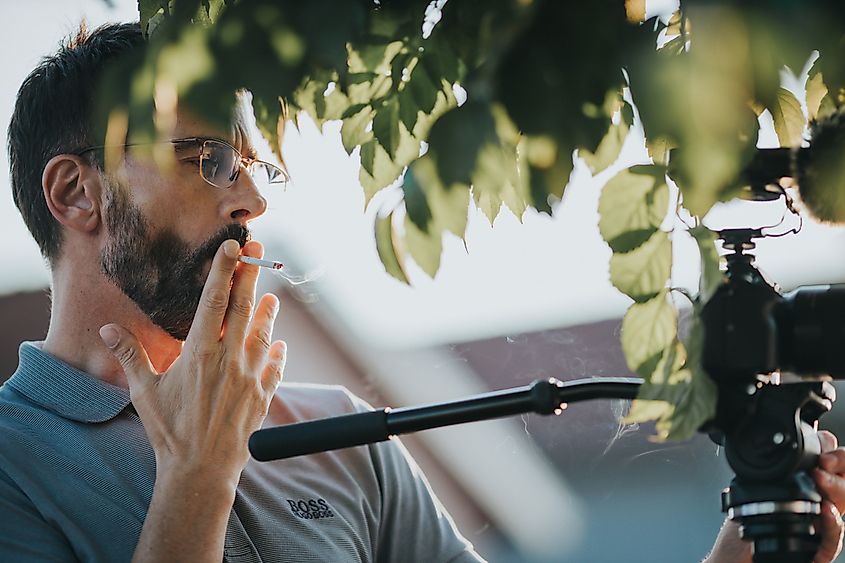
77	475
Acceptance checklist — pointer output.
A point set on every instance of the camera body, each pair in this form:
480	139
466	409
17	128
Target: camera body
751	328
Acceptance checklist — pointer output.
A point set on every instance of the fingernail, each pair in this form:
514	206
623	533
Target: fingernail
231	248
109	335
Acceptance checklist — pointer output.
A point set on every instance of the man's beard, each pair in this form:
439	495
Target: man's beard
162	274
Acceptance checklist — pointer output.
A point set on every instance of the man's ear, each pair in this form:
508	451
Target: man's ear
72	190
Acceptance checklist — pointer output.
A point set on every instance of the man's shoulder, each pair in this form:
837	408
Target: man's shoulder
296	402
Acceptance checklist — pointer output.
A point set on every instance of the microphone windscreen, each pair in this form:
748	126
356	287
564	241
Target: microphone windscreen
820	171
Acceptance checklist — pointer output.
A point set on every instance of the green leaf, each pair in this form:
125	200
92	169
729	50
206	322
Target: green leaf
424	247
416	203
632	206
372	54
547	167
711	275
788	118
448	206
270	118
611	144
456	138
149	8
386	126
648	328
387	249
643	272
368	155
408	110
816	91
698	404
422	88
384	170
496	180
353	132
645	410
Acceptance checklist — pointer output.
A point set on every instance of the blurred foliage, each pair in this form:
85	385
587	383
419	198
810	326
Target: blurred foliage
545	82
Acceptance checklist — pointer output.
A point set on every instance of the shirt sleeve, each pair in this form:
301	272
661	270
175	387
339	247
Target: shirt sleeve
414	524
24	534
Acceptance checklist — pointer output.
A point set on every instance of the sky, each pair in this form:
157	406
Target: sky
513	277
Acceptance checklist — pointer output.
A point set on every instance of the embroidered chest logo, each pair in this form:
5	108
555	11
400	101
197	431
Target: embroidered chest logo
310	509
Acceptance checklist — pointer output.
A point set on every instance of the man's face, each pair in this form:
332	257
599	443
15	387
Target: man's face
163	274
163	228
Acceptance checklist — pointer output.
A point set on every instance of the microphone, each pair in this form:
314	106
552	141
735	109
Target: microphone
819	170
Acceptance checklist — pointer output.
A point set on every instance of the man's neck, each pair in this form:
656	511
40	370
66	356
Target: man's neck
85	301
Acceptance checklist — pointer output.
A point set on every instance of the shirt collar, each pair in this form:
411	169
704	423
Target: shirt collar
63	389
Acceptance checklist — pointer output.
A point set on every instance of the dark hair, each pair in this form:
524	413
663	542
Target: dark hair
53	115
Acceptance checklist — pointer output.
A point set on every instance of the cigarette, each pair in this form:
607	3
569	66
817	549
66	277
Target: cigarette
272	264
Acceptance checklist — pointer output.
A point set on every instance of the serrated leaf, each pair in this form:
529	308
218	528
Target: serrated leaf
386	248
448	206
643	272
378	170
788	118
495	181
353	132
384	170
632	206
386	125
424	247
648	328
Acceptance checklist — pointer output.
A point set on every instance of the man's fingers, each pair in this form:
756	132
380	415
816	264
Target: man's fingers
831	486
828	441
833	462
208	321
831	531
273	372
242	297
260	335
131	355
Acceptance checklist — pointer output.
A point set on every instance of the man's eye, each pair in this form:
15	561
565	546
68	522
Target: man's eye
195	162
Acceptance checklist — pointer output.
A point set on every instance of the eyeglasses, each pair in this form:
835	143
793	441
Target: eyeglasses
220	163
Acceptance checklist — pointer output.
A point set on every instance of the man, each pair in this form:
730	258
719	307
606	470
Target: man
124	433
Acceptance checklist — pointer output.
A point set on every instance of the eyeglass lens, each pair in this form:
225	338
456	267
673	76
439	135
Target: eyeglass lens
220	165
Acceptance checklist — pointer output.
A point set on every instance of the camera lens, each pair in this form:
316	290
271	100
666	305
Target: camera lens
811	334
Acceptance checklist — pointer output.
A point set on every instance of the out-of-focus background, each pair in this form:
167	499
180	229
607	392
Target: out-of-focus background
522	300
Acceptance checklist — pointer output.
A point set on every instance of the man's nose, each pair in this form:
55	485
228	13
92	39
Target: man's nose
246	202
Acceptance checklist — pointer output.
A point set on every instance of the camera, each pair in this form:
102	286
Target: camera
772	356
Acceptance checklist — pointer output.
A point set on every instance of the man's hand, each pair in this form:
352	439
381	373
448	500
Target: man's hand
200	413
830	481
